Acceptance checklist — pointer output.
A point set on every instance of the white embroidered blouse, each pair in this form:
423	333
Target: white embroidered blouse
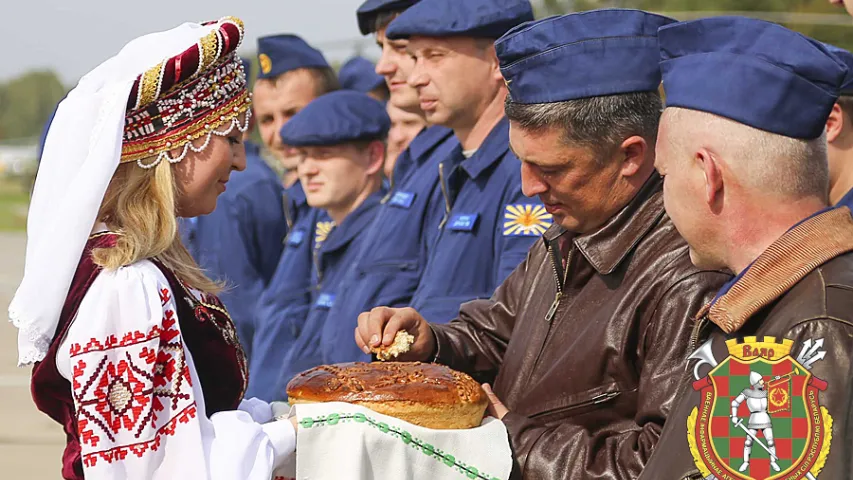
139	404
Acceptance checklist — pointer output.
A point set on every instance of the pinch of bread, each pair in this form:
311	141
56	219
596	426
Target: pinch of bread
402	343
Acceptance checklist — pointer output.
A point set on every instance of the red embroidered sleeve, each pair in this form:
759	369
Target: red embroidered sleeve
132	388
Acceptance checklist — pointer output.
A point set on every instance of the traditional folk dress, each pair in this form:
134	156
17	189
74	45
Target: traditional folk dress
146	375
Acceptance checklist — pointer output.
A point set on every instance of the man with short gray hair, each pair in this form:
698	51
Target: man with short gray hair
742	148
584	340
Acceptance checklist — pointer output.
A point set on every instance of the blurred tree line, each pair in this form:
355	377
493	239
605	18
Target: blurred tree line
806	15
26	102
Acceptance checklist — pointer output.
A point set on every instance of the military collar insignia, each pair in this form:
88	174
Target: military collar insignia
321	232
330	237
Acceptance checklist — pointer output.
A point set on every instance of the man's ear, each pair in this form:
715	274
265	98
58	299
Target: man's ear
713	173
835	123
633	152
492	55
376	156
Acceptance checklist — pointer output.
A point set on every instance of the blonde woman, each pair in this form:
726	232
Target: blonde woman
134	354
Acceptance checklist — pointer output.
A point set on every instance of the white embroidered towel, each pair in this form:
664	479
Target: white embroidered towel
340	440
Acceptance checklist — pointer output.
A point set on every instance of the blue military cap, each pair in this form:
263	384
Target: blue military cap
580	55
468	18
335	118
754	72
279	54
359	74
369	10
847	59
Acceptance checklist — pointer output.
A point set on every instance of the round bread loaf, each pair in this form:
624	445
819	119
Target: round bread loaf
424	394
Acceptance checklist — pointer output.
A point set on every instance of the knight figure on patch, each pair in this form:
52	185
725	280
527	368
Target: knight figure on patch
759	416
755	397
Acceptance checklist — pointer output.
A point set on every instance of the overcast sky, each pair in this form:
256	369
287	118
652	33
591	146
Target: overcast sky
74	36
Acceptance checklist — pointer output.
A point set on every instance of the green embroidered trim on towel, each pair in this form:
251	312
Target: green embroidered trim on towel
427	449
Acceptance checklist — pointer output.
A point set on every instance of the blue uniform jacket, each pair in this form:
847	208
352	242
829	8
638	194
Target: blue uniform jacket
433	143
283	307
486	231
240	242
332	257
389	267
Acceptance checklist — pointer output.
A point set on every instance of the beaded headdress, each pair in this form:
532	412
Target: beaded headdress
188	97
120	112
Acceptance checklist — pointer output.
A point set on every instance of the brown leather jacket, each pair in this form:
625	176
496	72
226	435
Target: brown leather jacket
800	290
587	358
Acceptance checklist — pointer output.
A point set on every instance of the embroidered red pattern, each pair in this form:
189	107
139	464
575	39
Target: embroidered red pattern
130	338
132	391
139	449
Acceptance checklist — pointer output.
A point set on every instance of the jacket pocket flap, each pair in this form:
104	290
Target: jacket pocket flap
576	401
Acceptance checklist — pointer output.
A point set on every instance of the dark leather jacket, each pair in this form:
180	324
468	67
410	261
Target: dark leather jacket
587	357
800	290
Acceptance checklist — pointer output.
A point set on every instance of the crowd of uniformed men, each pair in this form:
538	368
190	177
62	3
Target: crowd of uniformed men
508	208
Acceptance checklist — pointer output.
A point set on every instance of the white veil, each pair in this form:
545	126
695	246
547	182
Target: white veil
81	154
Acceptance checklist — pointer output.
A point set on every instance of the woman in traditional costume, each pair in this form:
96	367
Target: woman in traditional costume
134	355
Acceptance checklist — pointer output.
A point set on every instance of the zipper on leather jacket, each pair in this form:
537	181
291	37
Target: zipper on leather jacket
694	334
445	195
555	258
601	398
596	400
694	475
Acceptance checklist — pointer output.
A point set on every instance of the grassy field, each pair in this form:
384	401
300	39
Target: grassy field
14	197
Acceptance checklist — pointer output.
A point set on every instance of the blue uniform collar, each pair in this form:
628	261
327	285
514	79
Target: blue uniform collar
424	142
354	224
846	200
490	152
296	194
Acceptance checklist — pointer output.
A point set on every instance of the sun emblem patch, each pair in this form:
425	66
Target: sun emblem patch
526	220
759	417
265	63
321	232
